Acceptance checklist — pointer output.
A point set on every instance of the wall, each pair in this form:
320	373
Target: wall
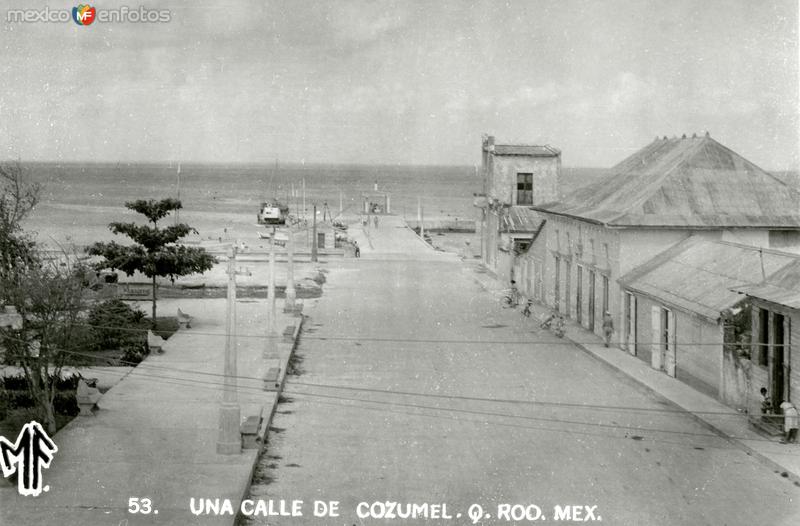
580	243
698	345
637	246
791	340
503	181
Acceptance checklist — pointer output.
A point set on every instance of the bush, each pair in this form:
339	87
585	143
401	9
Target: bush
66	404
3	403
133	353
114	324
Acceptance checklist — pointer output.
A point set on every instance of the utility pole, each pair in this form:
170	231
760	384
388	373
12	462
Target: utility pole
304	197
419	218
271	320
341	207
230	439
314	236
291	293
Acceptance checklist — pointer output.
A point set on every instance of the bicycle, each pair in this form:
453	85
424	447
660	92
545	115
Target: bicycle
510	299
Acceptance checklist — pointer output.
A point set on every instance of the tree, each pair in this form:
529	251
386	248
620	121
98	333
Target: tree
17	199
50	297
155	252
46	292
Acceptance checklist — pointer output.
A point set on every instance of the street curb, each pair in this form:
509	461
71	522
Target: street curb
263	432
794	477
418	237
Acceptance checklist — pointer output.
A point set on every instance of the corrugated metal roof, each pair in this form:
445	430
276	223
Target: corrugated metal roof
686	183
526	149
702	276
521	219
783	287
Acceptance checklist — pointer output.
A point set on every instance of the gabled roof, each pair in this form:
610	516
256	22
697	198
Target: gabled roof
783	287
521	219
526	149
692	182
701	276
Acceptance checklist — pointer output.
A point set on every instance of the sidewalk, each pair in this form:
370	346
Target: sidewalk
154	435
716	415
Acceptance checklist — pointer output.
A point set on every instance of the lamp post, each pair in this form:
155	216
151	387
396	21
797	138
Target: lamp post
230	441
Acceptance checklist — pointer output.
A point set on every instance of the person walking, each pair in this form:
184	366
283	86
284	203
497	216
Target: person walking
357	249
608	328
790	419
375	219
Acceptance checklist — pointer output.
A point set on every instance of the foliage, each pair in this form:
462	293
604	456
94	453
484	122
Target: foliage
134	352
155	252
18	396
113	324
46	293
3	403
738	329
17	200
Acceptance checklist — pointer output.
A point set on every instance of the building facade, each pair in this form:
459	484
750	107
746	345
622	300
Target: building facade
668	191
775	323
515	178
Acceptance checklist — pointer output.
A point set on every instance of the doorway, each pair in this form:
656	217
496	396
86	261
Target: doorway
579	296
778	345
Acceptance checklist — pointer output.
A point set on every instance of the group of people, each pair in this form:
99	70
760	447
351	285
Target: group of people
791	420
608	320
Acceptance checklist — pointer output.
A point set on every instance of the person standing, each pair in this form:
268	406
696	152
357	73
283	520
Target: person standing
790	419
608	328
357	249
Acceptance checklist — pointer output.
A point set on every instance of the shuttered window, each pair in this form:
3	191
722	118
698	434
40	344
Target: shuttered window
524	189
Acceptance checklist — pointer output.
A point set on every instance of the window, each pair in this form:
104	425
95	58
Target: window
521	245
524	188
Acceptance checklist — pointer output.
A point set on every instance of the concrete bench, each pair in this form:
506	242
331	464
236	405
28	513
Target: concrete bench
249	430
155	342
184	320
288	334
271	379
87	397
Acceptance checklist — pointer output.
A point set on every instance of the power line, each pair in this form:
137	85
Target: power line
155	368
359	338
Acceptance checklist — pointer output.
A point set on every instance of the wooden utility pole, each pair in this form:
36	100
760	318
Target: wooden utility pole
230	440
314	236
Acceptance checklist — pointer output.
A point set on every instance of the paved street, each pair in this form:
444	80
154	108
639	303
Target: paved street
417	387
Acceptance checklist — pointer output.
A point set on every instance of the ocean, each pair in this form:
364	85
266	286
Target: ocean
80	199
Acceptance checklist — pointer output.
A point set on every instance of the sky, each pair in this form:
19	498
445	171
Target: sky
400	82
